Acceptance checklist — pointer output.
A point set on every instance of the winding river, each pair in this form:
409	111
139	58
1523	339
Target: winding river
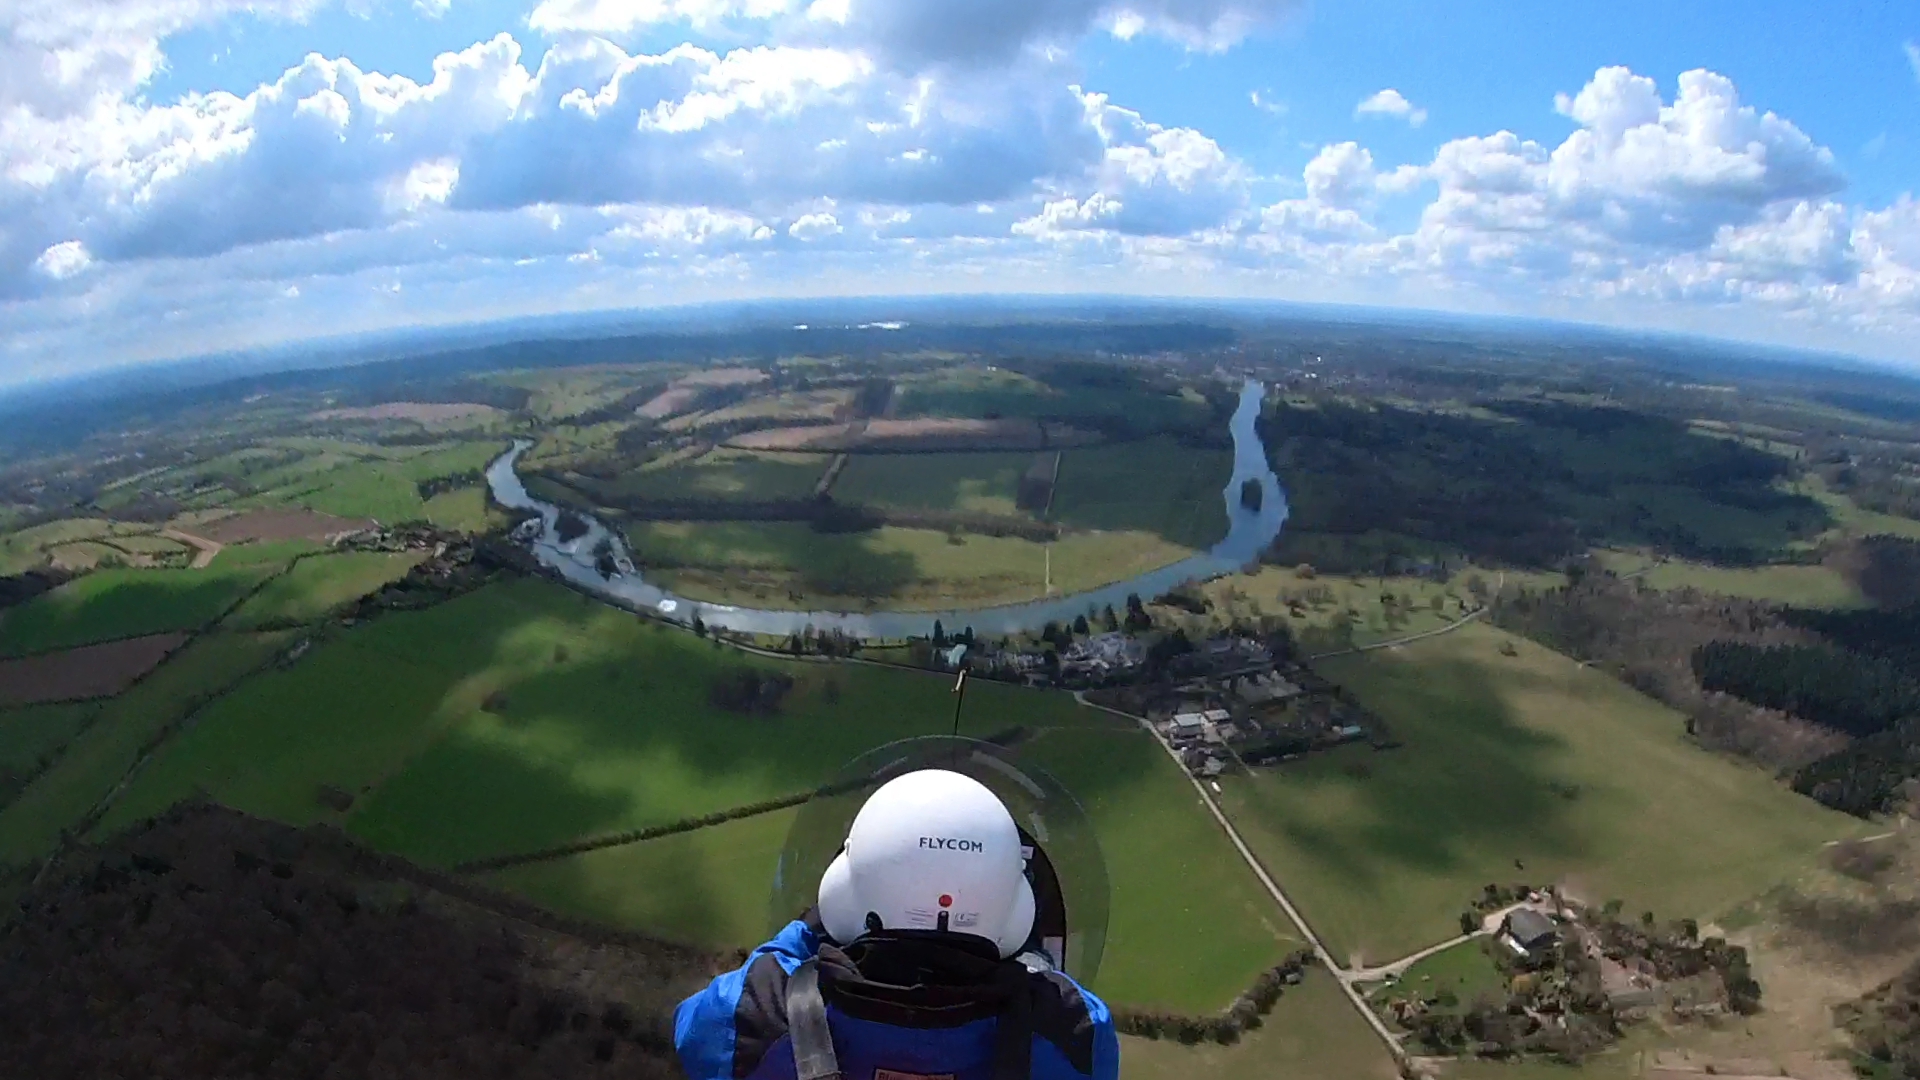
1248	533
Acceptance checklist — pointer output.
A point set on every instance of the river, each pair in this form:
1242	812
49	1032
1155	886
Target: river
1248	533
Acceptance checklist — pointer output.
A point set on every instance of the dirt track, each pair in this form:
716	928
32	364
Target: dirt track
89	671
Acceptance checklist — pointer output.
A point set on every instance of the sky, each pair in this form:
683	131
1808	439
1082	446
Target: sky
180	177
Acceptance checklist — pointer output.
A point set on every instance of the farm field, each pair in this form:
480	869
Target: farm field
317	585
710	887
109	604
1801	586
788	564
1170	945
602	724
89	671
1313	1033
1530	759
979	483
1155	486
94	762
463	509
35	731
717	474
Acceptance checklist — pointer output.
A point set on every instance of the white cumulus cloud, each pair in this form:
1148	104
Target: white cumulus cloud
1391	102
63	260
816	226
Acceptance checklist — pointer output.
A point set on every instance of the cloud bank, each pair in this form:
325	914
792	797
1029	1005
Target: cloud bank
859	145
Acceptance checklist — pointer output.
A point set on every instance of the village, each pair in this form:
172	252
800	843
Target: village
1239	698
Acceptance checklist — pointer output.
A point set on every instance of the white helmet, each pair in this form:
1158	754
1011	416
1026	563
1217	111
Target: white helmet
931	850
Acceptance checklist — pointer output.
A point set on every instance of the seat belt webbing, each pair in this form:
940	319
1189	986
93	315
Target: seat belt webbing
813	1055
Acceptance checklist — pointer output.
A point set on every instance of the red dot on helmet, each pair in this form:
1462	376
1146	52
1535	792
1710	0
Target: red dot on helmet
945	900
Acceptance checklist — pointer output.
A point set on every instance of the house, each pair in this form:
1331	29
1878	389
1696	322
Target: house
1526	931
1186	727
1216	716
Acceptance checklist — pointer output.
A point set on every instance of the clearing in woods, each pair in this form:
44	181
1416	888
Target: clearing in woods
1523	768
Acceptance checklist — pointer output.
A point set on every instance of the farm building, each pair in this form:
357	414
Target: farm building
1526	930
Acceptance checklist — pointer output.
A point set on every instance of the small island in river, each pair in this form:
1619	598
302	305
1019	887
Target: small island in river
1250	494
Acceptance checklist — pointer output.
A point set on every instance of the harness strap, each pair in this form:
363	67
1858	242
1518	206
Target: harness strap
813	1056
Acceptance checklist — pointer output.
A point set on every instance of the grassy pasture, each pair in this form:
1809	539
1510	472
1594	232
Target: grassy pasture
710	887
95	761
30	733
1313	1033
1465	969
125	603
463	508
317	585
1155	486
27	548
1816	586
603	724
787	564
979	483
719	474
1529	758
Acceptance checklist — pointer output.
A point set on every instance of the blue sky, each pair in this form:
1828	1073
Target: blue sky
181	176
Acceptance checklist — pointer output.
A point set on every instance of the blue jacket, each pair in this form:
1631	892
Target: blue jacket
736	1029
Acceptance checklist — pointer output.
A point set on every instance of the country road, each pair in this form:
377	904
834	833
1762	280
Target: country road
1273	889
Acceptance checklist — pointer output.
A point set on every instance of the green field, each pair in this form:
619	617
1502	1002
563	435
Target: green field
464	509
317	585
605	726
788	564
1172	941
110	604
27	548
1155	486
977	483
1465	969
710	887
98	758
1802	586
1313	1033
1530	758
33	732
717	474
354	480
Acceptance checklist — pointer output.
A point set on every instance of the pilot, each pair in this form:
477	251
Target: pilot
915	964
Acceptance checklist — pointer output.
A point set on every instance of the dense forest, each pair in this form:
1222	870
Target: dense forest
1854	694
243	948
1524	483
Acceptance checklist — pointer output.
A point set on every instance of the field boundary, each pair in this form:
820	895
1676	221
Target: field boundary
634	836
